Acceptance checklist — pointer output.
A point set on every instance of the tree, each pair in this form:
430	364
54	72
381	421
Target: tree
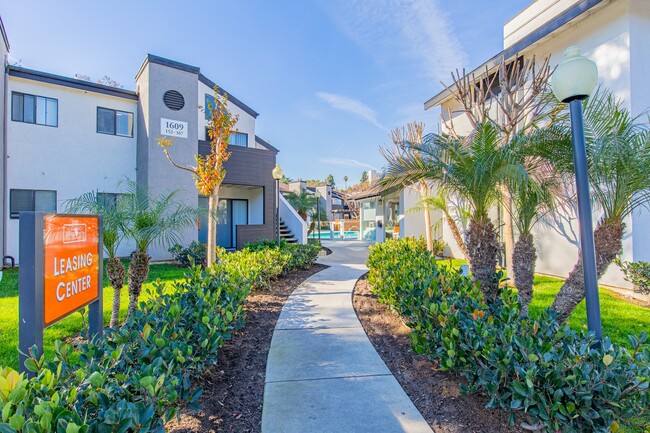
345	179
113	218
472	168
441	203
329	180
618	154
286	180
407	140
150	220
302	202
364	176
314	218
512	98
209	171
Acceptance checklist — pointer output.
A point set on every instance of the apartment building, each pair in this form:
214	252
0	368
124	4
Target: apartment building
63	137
616	35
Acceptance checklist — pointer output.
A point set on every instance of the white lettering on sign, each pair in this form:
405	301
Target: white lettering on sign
173	128
61	266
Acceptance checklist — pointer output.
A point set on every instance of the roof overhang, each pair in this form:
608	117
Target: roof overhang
522	45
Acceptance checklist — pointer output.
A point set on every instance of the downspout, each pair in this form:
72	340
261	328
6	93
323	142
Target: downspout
4	157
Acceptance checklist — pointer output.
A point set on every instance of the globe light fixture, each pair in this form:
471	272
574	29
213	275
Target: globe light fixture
573	81
277	174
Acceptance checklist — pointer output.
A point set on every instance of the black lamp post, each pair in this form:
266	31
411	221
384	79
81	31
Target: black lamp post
318	212
572	82
277	175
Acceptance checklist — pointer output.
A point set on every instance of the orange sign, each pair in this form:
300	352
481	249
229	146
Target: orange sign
71	264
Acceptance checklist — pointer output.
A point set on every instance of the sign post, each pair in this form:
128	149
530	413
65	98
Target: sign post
60	273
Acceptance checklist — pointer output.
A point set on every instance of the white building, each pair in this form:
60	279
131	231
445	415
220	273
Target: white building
616	35
63	137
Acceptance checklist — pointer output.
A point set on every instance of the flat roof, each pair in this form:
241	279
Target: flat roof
45	77
512	51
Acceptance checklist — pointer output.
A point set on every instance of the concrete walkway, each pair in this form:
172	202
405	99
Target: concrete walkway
323	375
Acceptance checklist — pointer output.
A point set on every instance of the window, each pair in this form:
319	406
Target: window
31	200
108	199
34	109
209	102
238	139
114	122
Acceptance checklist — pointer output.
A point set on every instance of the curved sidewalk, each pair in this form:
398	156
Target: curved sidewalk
323	375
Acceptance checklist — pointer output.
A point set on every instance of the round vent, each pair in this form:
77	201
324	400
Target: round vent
173	100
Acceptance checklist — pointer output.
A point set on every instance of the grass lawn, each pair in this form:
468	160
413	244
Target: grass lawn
620	318
67	327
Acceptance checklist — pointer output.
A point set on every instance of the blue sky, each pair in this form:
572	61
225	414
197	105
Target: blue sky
330	78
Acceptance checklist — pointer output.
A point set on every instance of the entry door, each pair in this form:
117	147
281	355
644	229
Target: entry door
230	214
239	217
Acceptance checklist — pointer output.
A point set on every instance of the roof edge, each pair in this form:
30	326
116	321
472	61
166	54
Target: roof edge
46	77
152	58
266	144
534	37
4	34
231	98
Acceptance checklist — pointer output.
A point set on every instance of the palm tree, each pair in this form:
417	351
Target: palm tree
151	220
302	202
618	153
314	218
113	218
472	168
345	179
441	203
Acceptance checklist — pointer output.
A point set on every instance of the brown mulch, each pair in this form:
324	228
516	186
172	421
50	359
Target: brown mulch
234	388
435	393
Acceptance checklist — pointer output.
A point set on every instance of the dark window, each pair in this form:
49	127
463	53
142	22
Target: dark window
30	200
34	109
108	199
114	122
209	105
238	139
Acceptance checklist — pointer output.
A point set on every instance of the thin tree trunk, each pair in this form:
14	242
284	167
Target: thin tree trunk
115	273
457	236
608	244
523	262
508	234
138	272
424	193
482	248
213	208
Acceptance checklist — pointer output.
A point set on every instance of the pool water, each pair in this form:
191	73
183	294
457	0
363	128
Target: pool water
325	234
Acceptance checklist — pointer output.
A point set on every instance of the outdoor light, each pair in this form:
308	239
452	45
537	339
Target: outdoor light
318	212
573	81
277	174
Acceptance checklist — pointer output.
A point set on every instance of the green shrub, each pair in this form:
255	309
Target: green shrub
438	247
194	253
301	256
538	369
258	267
637	273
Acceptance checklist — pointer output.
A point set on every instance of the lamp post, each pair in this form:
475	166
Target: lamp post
277	175
572	82
318	212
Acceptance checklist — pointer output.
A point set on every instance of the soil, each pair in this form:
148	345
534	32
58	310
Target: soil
234	388
436	394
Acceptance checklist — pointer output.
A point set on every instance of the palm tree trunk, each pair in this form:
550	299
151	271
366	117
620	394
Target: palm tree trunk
312	226
508	234
608	244
213	208
138	272
115	273
482	248
523	263
457	236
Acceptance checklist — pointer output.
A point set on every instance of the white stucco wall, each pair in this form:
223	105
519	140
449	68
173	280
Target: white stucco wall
245	124
72	158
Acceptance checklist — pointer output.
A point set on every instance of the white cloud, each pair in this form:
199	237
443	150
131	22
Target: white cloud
395	31
346	162
350	105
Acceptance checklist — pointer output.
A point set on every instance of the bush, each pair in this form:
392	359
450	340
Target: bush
195	253
539	369
438	247
257	267
637	273
301	256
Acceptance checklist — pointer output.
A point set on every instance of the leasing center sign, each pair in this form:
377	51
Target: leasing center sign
71	264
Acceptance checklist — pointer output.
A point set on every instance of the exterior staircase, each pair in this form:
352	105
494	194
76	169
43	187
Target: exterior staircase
286	233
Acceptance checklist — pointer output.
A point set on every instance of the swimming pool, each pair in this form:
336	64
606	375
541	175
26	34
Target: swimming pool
325	234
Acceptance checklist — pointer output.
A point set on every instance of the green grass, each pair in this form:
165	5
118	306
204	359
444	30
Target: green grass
620	318
71	325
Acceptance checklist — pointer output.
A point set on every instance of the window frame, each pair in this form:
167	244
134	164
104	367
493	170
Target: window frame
114	122
241	133
16	214
35	112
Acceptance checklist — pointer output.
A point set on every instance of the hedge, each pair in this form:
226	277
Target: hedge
137	377
549	375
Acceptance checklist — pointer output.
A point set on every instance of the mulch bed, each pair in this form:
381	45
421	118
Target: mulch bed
435	393
234	388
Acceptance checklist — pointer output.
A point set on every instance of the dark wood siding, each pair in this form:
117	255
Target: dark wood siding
251	167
